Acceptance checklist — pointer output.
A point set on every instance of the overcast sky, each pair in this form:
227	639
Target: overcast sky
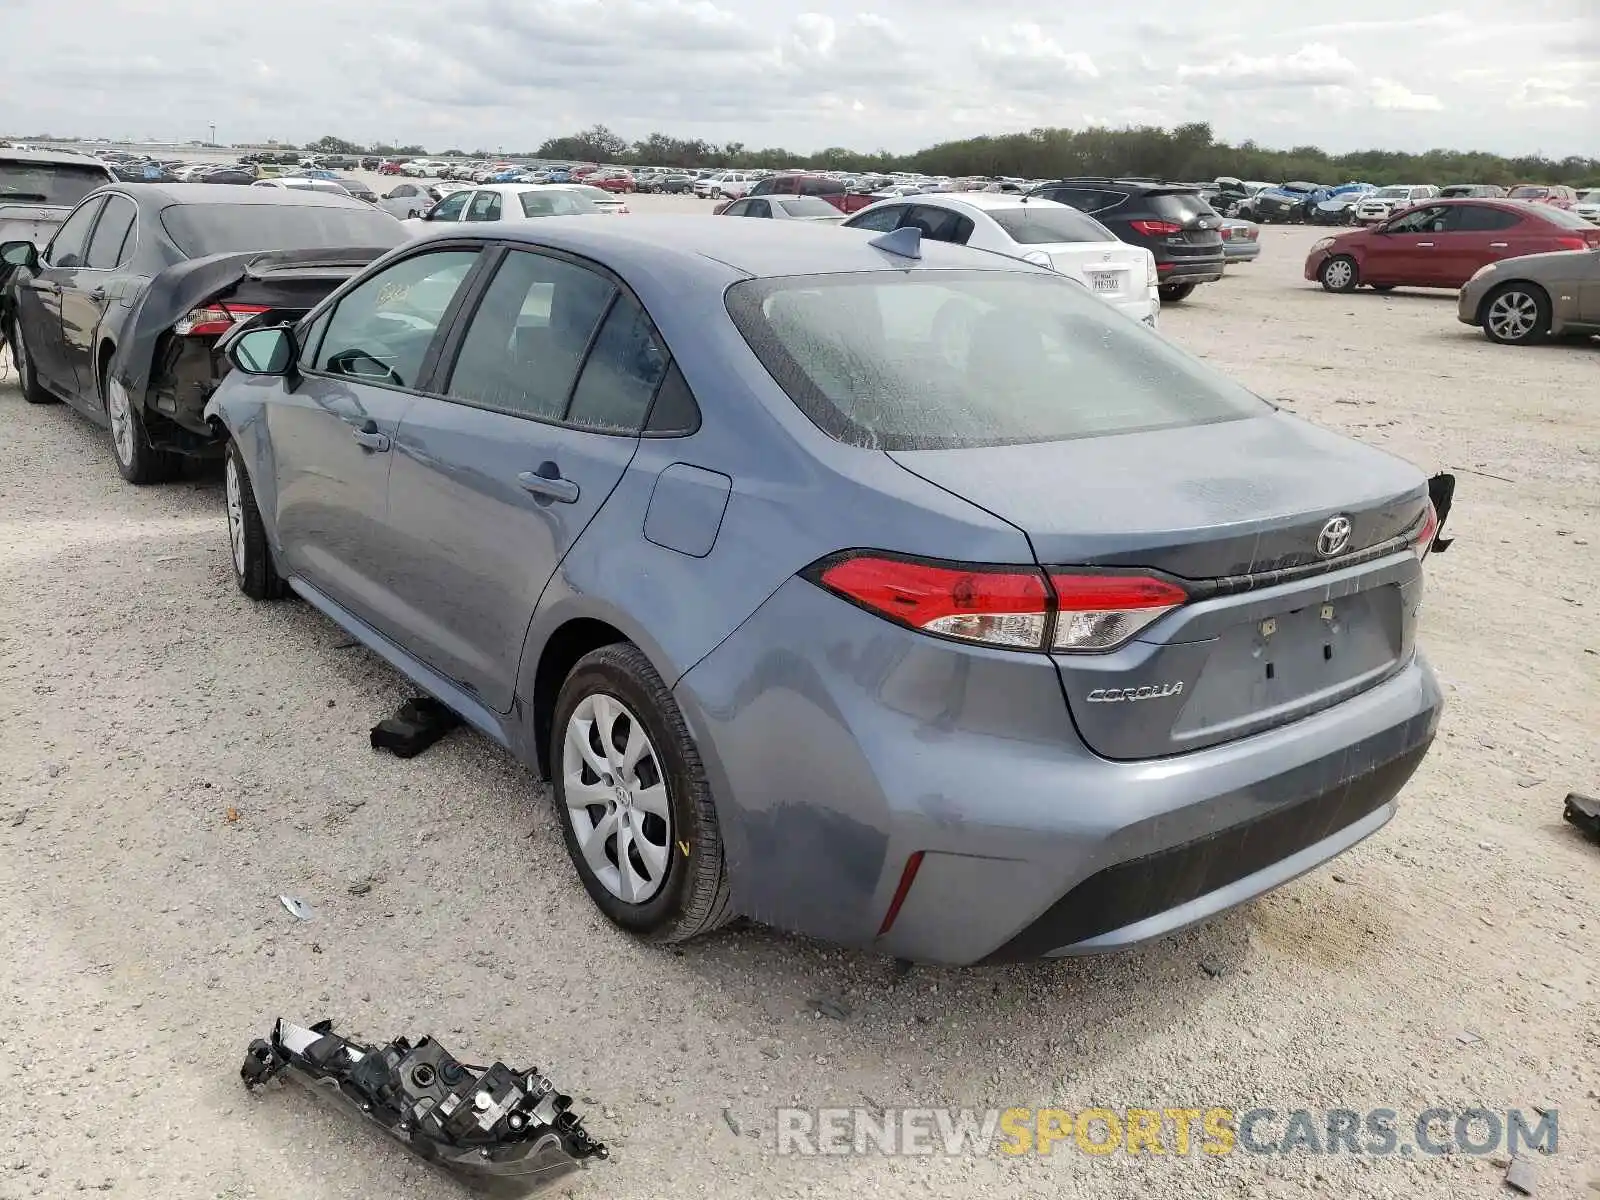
868	74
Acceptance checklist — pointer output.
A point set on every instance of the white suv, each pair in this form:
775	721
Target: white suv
1386	201
729	185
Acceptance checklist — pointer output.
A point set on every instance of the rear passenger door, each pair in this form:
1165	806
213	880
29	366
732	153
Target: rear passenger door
1474	236
940	224
533	417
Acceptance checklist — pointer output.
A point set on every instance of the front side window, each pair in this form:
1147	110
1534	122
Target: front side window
940	224
71	242
450	208
1433	219
380	332
739	208
529	335
942	360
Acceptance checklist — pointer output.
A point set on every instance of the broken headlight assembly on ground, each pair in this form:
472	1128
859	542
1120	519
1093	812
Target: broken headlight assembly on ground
499	1131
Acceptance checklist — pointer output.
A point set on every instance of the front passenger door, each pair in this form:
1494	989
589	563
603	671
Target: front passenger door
332	433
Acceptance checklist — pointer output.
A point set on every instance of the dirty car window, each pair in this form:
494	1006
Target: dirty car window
953	359
381	330
48	183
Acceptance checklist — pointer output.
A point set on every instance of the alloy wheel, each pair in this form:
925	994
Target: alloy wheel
235	513
616	798
117	408
1513	316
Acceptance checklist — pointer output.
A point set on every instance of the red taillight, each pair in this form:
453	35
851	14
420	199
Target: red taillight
1423	541
1572	243
1016	608
215	319
1097	612
1157	228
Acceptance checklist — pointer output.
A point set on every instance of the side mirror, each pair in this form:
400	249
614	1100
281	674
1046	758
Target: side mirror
263	351
19	254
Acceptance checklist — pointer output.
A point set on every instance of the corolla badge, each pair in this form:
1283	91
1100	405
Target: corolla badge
1150	691
1334	537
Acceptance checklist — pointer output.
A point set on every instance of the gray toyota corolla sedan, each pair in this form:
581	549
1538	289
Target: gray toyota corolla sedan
892	592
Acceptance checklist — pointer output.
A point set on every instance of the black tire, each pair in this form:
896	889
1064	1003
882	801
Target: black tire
693	897
1173	293
253	569
1528	301
1340	274
137	460
26	379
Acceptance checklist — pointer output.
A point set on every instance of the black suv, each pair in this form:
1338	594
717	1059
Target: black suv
1170	220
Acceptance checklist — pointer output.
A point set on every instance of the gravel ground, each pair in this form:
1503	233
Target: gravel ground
172	757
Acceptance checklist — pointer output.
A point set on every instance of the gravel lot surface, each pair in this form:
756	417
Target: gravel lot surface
173	757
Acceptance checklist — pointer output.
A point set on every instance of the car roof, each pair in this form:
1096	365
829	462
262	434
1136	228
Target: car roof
986	201
62	157
240	193
708	249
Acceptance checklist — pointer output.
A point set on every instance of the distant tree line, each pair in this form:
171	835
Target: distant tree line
1187	152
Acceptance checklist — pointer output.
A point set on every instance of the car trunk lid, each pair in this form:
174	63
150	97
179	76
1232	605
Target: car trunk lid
1105	268
1238	513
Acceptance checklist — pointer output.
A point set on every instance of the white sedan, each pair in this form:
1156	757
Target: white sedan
1037	231
502	202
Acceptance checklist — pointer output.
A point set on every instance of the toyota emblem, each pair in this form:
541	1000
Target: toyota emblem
1334	537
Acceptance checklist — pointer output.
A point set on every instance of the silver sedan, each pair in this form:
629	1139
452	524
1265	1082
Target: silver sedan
812	209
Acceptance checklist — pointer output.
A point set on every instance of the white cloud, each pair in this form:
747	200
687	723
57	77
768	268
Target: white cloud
893	73
1396	97
1313	65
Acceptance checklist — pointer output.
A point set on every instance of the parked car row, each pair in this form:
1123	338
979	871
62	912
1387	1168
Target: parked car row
639	500
1527	270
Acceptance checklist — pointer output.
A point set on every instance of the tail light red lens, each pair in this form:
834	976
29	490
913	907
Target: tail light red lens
1423	541
215	319
1015	608
1099	612
1157	228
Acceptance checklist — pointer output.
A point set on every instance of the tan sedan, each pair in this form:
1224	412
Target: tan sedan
1519	301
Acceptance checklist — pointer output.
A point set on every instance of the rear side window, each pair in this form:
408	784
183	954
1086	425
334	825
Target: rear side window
1091	200
940	224
63	184
380	332
621	374
674	412
894	361
1181	207
529	335
113	236
71	242
1480	218
1036	224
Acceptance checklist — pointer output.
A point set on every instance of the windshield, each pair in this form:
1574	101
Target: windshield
1529	193
950	359
1392	193
49	183
808	206
201	229
1038	224
554	204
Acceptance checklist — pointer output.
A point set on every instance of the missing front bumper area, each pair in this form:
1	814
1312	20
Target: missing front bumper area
500	1132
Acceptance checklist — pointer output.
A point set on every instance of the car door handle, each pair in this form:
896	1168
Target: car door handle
369	437
547	481
1424	245
43	285
1498	245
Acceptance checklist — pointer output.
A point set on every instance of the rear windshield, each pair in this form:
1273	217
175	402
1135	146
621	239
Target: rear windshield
1035	224
554	204
1393	193
808	206
201	229
1529	193
1564	217
1181	207
951	359
48	183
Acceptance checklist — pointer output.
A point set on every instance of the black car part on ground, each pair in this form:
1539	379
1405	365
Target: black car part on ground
499	1131
170	377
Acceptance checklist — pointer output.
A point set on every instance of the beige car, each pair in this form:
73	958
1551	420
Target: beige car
1520	301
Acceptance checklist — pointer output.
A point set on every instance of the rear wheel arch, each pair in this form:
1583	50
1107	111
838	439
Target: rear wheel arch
1527	285
102	365
562	651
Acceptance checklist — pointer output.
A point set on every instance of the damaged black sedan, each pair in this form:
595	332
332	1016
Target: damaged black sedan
121	313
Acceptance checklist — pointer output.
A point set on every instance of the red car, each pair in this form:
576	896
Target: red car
1558	194
389	167
1443	243
613	181
831	190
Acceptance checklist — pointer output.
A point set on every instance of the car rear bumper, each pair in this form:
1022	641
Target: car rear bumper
1192	270
1242	251
839	746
